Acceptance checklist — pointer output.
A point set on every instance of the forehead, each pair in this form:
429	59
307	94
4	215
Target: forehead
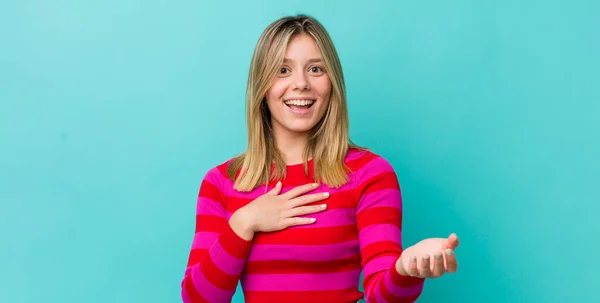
302	47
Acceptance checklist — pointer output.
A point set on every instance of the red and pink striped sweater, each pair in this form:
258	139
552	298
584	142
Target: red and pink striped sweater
320	262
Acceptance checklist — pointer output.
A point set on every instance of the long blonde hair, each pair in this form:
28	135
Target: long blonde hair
329	140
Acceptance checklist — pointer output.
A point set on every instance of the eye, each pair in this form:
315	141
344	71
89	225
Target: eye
316	69
283	70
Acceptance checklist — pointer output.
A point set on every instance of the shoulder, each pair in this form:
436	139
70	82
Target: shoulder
367	162
217	175
370	172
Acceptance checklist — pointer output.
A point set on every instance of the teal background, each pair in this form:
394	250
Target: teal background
112	112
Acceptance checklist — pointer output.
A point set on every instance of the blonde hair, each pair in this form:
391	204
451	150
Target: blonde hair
329	140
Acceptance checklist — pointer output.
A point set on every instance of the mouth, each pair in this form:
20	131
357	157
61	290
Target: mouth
299	104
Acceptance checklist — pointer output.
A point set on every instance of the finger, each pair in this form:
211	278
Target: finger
307	199
288	222
276	190
413	270
438	268
305	210
299	190
452	242
425	267
451	264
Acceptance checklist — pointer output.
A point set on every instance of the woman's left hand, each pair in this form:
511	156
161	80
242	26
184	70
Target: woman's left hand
430	258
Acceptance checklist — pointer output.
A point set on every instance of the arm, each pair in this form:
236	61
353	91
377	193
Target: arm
218	253
379	222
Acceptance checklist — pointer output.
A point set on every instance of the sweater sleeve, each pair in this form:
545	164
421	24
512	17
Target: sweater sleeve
379	222
218	254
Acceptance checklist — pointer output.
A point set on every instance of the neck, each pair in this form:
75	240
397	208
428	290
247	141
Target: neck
291	146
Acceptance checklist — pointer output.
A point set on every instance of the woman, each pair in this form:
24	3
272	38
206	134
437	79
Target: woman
303	211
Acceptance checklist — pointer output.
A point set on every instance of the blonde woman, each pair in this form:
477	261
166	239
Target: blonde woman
303	211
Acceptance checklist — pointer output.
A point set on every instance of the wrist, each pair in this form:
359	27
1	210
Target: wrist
400	268
241	225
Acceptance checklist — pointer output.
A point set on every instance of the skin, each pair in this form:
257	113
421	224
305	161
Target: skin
302	76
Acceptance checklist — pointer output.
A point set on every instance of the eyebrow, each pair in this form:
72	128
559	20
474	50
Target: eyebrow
310	60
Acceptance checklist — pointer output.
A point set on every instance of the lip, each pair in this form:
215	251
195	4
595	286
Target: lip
300	98
301	112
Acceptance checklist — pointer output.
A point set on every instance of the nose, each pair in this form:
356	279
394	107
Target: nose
300	82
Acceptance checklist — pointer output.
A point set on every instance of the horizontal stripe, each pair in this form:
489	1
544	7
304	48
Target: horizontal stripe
332	217
370	284
190	289
353	154
380	264
379	215
379	294
349	295
210	190
209	223
390	197
403	296
386	180
329	217
184	296
379	232
216	276
204	239
233	244
337	199
404	281
374	167
208	206
300	235
216	178
207	290
304	252
359	159
384	294
300	267
291	282
240	199
226	262
398	291
380	249
196	256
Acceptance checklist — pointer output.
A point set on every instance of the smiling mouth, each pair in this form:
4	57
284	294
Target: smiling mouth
299	104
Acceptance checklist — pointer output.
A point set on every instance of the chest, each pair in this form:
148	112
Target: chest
333	236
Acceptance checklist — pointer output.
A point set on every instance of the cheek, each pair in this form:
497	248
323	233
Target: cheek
277	90
323	88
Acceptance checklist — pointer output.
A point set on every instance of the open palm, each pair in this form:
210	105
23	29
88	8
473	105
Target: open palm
430	258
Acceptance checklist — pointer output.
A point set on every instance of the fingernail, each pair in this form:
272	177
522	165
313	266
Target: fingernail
448	252
438	256
413	259
315	184
278	183
312	220
326	194
323	206
426	258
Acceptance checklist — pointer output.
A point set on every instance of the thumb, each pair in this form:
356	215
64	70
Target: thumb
452	242
276	190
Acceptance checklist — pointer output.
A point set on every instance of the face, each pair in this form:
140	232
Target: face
299	95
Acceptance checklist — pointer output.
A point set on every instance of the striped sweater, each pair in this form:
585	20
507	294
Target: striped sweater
320	262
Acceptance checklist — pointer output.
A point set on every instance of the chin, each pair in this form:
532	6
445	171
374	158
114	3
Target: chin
303	128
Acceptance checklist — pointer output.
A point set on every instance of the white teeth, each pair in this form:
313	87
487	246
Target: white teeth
299	102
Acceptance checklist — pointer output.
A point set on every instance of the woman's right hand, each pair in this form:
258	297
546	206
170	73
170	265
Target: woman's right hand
273	212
